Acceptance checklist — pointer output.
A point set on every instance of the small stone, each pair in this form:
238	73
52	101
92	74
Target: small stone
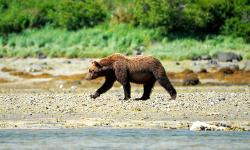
222	99
61	86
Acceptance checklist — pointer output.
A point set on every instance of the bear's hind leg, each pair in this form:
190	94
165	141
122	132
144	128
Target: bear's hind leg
164	81
162	78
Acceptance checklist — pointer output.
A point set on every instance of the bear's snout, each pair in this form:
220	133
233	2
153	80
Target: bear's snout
88	77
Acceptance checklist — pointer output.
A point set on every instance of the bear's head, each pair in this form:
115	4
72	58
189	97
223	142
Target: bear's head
96	70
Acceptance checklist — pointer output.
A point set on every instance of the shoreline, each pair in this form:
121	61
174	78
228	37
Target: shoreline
239	126
43	108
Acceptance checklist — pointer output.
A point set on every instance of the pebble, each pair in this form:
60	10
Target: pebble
198	101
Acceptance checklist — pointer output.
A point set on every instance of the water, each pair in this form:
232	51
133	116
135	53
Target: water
106	138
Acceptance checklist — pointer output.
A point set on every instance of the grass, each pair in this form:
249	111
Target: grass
105	39
186	48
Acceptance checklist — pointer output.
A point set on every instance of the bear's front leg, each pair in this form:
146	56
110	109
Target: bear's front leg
127	90
121	74
104	88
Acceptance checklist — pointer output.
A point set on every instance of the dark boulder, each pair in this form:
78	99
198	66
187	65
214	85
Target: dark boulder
41	56
229	69
191	79
194	58
202	70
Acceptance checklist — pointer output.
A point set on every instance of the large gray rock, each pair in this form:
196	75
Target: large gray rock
228	57
247	66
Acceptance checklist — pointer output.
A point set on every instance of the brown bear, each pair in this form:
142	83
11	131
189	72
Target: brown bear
139	69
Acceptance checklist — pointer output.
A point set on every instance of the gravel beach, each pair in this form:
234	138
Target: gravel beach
73	108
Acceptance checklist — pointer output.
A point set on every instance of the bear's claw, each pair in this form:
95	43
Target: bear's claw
95	95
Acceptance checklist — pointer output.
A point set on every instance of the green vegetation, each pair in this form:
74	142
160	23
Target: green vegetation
168	29
91	42
104	40
186	48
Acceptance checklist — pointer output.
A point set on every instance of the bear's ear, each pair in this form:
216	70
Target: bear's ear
97	64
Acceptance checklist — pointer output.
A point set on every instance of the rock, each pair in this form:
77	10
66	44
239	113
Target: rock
67	62
228	57
41	56
212	63
138	50
194	58
34	68
73	88
222	99
229	69
202	70
247	66
202	126
61	86
202	57
234	67
222	124
191	79
206	57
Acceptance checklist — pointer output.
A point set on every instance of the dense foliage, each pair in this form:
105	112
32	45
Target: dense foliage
190	16
17	15
171	16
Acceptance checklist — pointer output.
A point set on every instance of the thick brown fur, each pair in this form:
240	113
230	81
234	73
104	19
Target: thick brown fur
139	69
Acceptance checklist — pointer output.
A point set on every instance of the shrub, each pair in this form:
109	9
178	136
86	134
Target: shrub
187	16
122	15
17	15
200	15
152	13
239	25
74	14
